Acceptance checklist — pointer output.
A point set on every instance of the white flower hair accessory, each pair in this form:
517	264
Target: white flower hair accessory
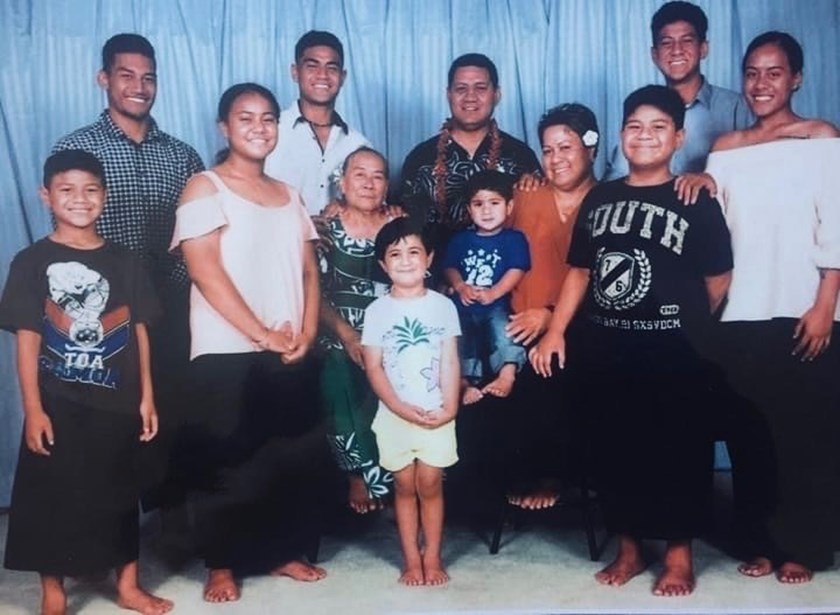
590	138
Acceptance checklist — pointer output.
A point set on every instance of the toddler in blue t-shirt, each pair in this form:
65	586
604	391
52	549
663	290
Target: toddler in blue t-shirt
483	263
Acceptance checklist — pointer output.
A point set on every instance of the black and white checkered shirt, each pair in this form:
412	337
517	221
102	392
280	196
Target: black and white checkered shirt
144	181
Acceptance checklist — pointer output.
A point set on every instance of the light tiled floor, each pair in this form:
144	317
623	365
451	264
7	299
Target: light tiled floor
542	568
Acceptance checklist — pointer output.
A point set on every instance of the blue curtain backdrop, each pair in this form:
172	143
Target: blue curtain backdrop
397	55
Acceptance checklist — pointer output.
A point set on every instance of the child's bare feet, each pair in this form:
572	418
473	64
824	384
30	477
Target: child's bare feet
677	579
544	495
299	571
503	384
791	572
756	567
53	598
471	395
220	586
626	565
138	599
412	576
433	570
359	498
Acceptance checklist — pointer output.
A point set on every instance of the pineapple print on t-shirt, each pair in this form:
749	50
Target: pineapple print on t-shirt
412	362
411	333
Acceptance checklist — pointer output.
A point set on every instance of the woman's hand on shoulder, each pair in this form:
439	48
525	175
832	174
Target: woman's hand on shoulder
529	182
332	210
689	185
392	212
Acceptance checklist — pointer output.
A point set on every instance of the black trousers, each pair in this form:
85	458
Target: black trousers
258	455
647	397
164	482
537	433
797	405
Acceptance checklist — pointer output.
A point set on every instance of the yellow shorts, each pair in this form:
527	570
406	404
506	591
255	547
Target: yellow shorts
400	442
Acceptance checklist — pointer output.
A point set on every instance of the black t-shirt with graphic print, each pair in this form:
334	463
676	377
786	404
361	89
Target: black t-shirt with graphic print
648	255
85	305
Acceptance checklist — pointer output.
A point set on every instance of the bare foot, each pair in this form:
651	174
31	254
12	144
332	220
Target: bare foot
412	577
433	571
619	572
471	395
791	572
221	586
677	579
358	497
515	499
300	571
53	598
756	567
674	581
545	495
503	384
626	565
138	599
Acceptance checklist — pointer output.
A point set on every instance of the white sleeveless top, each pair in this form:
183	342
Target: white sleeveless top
262	253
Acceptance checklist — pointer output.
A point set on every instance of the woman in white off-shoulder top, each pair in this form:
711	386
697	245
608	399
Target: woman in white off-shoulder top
778	182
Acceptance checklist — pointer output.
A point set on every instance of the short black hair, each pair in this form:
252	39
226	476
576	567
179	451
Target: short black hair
72	160
397	230
364	149
663	98
784	41
478	60
492	180
678	10
576	116
126	43
319	38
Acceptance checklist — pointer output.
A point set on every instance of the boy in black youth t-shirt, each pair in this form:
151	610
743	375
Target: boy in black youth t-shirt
647	273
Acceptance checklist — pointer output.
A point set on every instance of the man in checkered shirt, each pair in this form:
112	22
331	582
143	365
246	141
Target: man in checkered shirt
145	170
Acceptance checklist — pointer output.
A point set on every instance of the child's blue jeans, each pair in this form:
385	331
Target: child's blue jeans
483	342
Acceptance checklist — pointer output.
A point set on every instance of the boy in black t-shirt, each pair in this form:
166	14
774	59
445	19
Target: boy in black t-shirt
79	306
647	273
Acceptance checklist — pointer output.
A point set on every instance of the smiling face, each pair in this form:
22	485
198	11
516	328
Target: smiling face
769	82
319	75
251	126
648	139
131	85
406	262
364	182
75	197
472	98
678	52
567	162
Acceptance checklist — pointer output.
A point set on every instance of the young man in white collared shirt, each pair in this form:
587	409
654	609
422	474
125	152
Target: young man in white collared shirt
314	140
